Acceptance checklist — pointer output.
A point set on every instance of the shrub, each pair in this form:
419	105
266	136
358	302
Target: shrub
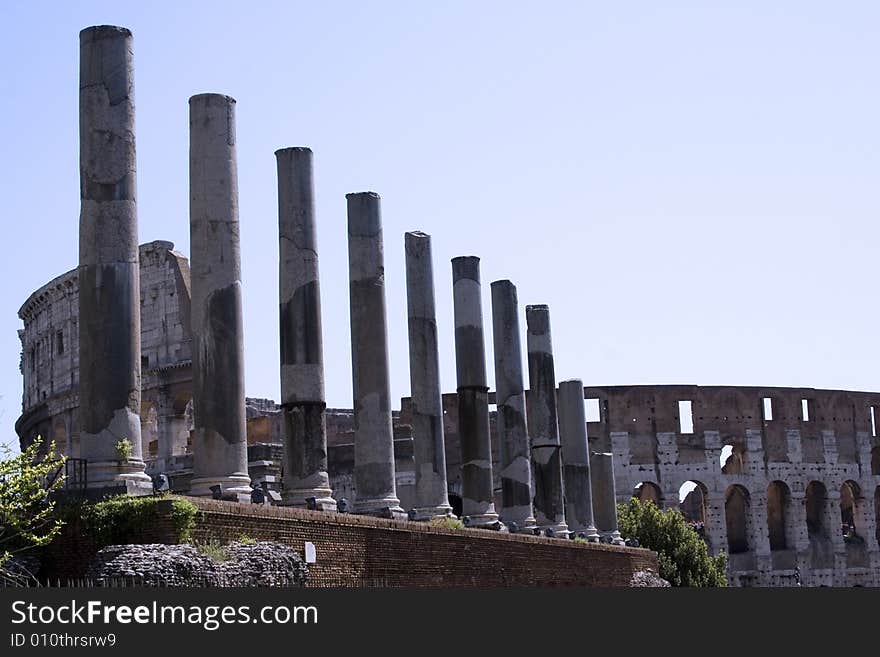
119	519
27	513
683	556
447	522
123	449
214	549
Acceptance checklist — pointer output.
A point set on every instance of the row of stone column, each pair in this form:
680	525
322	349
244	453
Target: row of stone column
534	479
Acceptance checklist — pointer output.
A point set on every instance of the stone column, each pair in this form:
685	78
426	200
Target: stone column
576	459
543	429
220	438
302	354
109	286
513	436
424	374
477	493
604	495
375	488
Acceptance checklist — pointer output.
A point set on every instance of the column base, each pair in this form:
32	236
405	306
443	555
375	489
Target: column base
297	498
120	477
560	529
590	533
232	486
388	507
488	520
613	538
524	525
426	513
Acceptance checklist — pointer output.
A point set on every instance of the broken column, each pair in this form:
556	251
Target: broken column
109	288
477	494
510	399
302	354
604	496
219	437
431	497
576	459
375	489
543	429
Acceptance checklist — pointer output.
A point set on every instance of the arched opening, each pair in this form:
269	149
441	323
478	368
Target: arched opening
875	460
733	456
647	491
816	499
853	520
877	514
778	512
736	508
692	496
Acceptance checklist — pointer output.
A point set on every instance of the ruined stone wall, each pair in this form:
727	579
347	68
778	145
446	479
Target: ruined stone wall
50	355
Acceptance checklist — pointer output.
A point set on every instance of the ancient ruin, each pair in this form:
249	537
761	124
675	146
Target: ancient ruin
786	481
109	342
302	350
219	438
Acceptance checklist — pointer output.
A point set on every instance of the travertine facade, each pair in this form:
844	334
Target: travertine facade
777	504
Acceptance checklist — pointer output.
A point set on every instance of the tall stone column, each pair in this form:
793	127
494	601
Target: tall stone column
510	398
604	495
431	497
375	489
543	429
576	459
219	438
302	353
109	285
477	493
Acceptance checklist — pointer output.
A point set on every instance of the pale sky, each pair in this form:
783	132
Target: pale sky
691	187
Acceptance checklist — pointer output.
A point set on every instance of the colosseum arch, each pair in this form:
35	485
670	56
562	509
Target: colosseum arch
648	491
816	501
780	516
692	502
877	514
736	515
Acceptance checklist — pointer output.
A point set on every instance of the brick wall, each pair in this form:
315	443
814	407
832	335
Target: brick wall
363	551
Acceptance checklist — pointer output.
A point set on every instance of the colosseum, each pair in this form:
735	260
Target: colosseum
786	481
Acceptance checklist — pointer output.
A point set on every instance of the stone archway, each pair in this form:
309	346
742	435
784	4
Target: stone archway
779	516
648	491
736	514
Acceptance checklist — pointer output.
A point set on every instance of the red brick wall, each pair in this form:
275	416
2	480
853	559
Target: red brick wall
363	551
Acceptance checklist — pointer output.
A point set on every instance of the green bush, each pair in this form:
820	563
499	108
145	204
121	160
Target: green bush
118	519
244	539
447	522
123	449
683	556
214	549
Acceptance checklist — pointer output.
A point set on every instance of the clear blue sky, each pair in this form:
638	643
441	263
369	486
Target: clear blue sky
692	189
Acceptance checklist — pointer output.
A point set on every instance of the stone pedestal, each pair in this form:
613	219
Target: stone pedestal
219	436
109	289
374	483
431	499
513	436
302	352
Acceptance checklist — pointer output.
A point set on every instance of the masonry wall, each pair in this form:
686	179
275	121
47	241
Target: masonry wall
355	551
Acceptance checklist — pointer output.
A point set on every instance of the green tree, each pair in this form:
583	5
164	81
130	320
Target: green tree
683	556
27	516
